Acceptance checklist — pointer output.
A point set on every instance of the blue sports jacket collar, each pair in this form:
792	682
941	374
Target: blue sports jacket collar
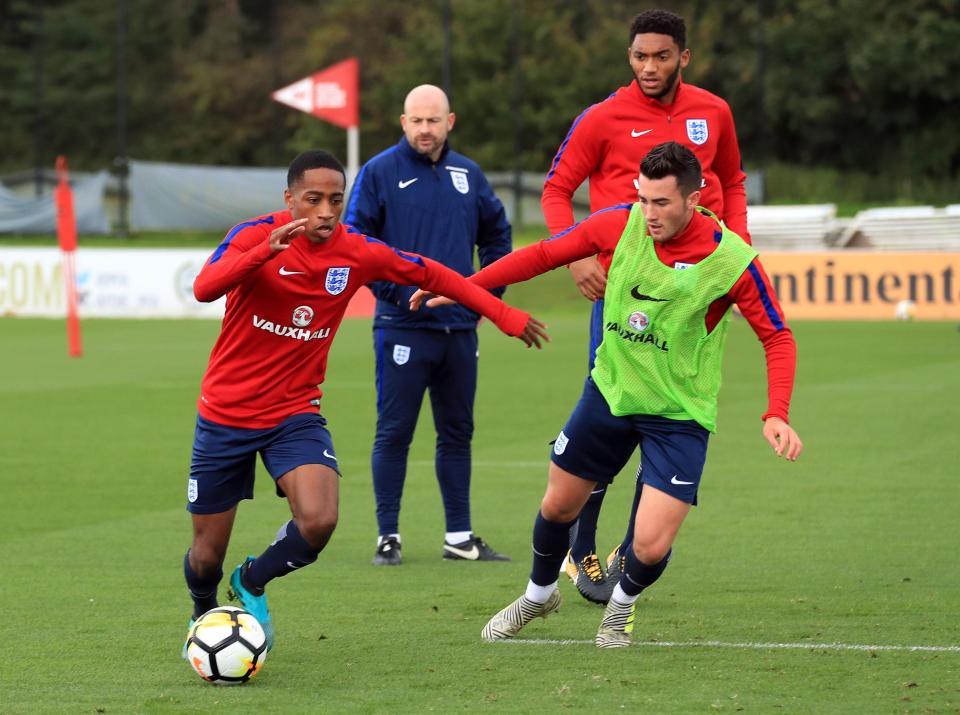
414	155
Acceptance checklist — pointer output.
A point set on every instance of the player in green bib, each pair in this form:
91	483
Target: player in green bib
674	273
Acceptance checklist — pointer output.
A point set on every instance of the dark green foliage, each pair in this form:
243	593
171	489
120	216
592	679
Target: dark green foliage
854	85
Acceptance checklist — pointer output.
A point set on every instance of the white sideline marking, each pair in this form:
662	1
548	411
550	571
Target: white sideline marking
750	646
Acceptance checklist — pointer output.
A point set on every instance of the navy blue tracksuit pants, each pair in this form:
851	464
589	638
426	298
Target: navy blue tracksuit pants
409	362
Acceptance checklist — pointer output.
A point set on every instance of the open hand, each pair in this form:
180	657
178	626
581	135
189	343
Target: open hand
783	438
590	277
281	237
533	333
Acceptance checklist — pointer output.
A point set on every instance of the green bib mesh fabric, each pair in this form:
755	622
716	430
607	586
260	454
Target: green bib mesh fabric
656	357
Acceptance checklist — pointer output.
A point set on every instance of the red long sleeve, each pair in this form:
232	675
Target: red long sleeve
607	142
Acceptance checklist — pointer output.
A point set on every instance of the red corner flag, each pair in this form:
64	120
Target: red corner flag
333	94
67	235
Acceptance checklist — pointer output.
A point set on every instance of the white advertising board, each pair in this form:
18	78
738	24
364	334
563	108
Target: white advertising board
111	283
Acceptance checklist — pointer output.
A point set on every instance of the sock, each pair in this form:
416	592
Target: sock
585	540
458	537
384	537
549	549
637	575
202	591
621	597
289	552
540	594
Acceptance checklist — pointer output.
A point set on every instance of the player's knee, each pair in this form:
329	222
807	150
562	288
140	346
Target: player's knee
317	528
650	549
206	559
394	438
558	512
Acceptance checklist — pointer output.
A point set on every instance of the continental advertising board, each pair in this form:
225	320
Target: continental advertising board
157	283
866	285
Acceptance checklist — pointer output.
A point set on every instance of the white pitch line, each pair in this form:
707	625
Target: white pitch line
751	646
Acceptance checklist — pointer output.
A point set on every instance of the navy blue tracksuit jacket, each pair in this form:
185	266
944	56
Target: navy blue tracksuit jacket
438	210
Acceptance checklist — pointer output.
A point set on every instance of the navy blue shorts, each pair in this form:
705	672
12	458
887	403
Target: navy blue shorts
595	445
224	458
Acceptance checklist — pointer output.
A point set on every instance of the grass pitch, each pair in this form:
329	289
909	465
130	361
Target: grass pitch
781	564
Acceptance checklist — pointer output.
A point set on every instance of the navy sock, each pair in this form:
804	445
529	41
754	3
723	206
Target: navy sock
637	575
550	541
585	540
203	591
287	553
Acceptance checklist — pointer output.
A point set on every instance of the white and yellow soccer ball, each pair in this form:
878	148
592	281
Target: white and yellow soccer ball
226	646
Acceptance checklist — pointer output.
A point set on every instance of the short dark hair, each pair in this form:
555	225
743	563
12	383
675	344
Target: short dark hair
672	159
660	22
312	159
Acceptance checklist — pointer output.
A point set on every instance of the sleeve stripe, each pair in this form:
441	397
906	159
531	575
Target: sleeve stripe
412	257
765	297
225	243
563	145
609	208
566	139
350	215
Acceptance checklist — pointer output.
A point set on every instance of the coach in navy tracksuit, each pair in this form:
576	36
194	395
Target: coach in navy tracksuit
422	197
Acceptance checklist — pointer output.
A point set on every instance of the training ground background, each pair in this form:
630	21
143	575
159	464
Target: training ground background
789	585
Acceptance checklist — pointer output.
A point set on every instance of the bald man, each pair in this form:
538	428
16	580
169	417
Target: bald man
421	196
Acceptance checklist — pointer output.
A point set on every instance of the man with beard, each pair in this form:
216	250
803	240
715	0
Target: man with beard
421	196
605	144
656	378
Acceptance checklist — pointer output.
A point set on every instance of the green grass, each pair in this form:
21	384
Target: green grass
856	543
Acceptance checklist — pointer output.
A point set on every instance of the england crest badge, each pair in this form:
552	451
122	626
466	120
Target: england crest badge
460	182
697	131
336	280
401	353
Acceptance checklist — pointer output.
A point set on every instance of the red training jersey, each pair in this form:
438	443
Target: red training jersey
752	293
608	140
284	308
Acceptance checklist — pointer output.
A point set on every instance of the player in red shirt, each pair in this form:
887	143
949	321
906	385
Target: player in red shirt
605	145
641	391
288	278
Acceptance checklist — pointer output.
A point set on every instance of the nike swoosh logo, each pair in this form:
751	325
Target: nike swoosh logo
643	296
293	565
679	482
329	456
285	272
473	553
634	133
405	184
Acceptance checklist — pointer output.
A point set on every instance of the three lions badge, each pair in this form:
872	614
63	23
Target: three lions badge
697	131
336	280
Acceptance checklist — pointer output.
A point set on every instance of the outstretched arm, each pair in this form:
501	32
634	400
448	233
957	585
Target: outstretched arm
412	269
597	233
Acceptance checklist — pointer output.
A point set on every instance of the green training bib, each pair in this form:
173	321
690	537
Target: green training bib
656	357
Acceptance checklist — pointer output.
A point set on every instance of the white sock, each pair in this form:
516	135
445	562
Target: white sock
381	539
457	537
620	597
539	594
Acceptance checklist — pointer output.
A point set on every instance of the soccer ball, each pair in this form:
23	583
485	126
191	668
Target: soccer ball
904	310
226	646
